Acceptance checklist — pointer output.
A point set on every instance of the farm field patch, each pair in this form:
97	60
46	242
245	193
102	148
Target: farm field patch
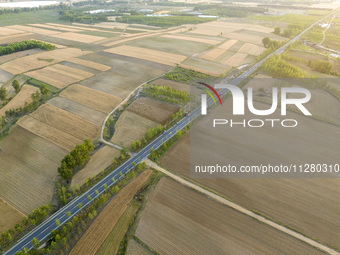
194	39
34	30
179	220
148	54
130	127
28	169
78	37
172	84
9	216
98	161
19	54
4	31
20	99
154	110
135	248
78	109
59	76
27	63
308	205
91	64
96	234
94	99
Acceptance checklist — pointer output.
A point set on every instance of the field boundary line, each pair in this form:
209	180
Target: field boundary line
243	210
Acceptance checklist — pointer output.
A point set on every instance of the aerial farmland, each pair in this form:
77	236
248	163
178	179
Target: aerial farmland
99	124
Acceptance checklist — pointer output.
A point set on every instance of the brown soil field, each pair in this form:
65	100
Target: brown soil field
172	84
83	38
59	76
62	29
79	28
306	204
112	242
130	127
33	30
19	54
154	110
96	234
228	44
135	248
213	54
98	161
19	100
50	133
95	99
179	220
194	39
8	31
32	62
148	54
66	122
251	49
16	38
9	216
118	81
201	70
28	169
245	38
78	109
91	64
236	59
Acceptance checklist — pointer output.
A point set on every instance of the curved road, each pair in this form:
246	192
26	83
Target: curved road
43	231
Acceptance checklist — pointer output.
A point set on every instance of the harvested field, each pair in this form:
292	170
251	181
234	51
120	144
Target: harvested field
66	122
99	161
148	54
78	37
91	64
59	76
50	133
198	69
236	59
154	110
8	31
172	84
95	99
193	39
179	220
228	44
20	99
78	109
213	54
33	30
134	248
130	127
19	54
113	240
62	29
28	169
16	38
24	64
119	81
306	204
245	38
9	216
251	49
96	234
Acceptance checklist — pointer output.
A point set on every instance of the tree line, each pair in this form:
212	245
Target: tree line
164	22
186	75
166	94
25	45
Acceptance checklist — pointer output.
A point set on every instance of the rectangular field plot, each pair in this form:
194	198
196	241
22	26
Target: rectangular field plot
20	99
34	30
98	161
91	64
59	76
9	216
78	109
4	31
193	39
147	54
39	60
153	110
179	220
94	99
78	37
28	169
130	127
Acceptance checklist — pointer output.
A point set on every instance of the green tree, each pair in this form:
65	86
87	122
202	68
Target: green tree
266	41
57	222
35	243
44	90
277	30
16	86
3	93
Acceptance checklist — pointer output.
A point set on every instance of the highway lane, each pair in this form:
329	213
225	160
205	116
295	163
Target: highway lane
44	229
